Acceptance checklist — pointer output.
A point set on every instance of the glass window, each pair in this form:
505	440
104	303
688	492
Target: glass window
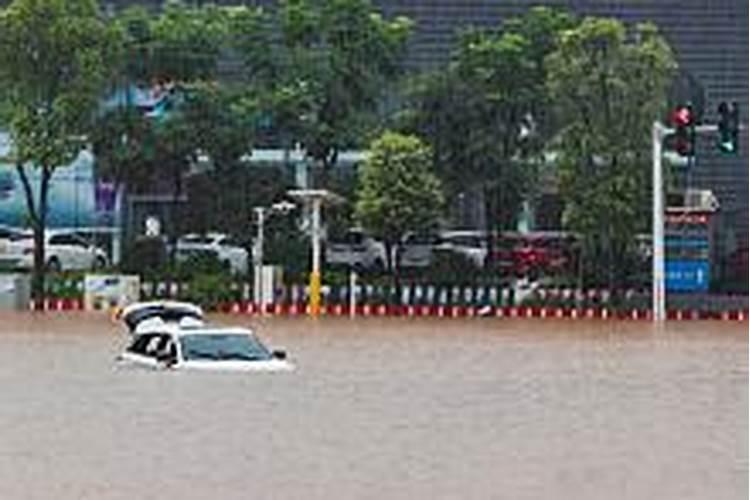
228	241
422	239
145	345
220	347
79	241
61	239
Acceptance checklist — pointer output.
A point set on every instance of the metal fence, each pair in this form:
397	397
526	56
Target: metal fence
410	294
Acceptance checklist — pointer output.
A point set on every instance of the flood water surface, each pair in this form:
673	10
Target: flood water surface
382	409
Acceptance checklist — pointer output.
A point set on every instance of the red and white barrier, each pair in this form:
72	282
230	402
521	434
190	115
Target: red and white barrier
445	311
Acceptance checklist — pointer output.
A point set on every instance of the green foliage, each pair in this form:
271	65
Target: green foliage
221	123
335	59
182	43
213	122
54	61
55	58
398	191
485	115
123	142
608	91
68	285
210	290
146	257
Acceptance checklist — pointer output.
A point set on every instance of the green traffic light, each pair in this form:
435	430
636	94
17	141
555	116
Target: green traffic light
729	125
727	147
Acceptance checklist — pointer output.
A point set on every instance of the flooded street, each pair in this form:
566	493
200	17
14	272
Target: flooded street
382	409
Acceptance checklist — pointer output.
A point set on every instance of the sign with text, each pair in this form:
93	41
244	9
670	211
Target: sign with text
687	275
687	247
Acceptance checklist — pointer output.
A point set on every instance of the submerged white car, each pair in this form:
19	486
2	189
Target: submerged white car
169	335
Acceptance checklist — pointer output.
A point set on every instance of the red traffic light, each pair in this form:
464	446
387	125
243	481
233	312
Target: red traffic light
682	116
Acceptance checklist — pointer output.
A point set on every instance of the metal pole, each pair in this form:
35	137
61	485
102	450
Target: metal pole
658	294
315	278
258	279
658	133
352	292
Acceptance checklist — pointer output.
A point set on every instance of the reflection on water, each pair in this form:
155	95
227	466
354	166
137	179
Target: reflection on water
383	408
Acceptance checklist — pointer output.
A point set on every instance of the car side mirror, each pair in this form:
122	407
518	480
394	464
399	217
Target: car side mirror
279	354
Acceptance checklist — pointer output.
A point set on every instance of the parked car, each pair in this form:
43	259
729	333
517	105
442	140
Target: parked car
100	237
469	244
64	250
417	249
357	250
7	235
228	251
503	253
534	253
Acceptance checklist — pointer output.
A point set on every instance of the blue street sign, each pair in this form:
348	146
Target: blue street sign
687	275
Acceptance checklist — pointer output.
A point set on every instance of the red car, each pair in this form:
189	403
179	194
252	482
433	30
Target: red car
542	252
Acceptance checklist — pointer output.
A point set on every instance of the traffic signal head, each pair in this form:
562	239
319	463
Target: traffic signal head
683	122
729	128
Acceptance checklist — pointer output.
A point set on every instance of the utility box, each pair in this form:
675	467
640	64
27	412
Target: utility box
103	292
15	291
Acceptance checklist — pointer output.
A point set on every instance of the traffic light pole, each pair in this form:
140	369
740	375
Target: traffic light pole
658	295
658	133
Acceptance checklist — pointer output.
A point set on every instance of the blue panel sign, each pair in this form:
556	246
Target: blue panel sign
687	275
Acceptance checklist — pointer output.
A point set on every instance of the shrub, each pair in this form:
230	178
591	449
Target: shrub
210	290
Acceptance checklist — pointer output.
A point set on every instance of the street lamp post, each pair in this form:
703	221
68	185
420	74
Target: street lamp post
314	198
658	132
261	213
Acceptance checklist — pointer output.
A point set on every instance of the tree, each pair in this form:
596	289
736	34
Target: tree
335	59
179	50
486	114
223	122
398	192
55	59
609	88
182	43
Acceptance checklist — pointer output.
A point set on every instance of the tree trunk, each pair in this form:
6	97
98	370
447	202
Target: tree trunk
489	226
174	229
40	228
38	218
392	258
38	271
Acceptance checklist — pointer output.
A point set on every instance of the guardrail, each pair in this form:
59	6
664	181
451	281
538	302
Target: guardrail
445	300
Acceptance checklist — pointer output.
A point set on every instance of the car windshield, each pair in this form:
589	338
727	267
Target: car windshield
229	347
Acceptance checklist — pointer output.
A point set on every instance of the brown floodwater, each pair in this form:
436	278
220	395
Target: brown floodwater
382	409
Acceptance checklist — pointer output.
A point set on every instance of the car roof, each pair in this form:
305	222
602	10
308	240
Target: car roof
210	234
187	326
13	229
462	233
